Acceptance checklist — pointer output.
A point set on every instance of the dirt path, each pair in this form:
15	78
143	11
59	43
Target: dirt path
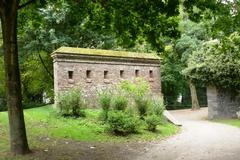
199	140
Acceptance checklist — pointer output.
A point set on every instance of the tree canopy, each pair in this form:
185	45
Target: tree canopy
217	62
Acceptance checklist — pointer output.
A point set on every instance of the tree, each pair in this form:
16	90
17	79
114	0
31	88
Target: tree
47	28
8	15
224	15
173	81
217	63
135	21
192	37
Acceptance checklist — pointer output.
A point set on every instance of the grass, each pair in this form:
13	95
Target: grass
100	52
43	122
232	122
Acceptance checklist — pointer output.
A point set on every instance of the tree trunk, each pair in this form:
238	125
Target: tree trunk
195	104
18	138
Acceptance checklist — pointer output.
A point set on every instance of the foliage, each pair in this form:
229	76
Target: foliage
157	106
193	35
142	105
152	121
139	88
175	60
58	24
139	91
135	21
35	79
122	123
105	98
223	15
120	102
155	114
172	80
70	103
217	63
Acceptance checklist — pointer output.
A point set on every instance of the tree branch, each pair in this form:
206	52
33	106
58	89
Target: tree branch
26	4
45	67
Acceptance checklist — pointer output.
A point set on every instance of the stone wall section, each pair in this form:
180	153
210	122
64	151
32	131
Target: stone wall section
222	103
94	81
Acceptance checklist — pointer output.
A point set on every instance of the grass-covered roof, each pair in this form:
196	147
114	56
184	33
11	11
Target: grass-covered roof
109	53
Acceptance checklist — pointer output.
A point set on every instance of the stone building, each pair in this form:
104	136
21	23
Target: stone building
94	70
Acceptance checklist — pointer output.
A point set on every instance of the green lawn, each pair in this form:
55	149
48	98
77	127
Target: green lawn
233	122
43	122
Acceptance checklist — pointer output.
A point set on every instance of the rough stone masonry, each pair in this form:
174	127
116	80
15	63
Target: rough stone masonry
223	103
94	70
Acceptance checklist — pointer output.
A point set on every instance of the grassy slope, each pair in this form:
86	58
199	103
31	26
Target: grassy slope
233	122
42	122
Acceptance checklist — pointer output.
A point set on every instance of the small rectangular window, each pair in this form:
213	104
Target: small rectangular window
151	73
88	73
122	73
105	74
70	74
136	73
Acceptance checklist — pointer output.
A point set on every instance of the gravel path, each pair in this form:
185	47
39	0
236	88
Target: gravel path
199	140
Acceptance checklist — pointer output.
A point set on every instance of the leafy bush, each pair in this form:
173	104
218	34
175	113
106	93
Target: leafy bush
122	123
105	103
137	89
152	122
157	106
120	102
142	105
71	103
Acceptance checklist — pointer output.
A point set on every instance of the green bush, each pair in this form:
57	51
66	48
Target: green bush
152	122
122	123
139	93
139	88
157	106
142	105
105	103
71	103
120	102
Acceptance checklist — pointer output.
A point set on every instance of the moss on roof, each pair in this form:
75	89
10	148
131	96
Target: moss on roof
100	52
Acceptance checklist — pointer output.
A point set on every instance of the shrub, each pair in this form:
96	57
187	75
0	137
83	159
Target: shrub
142	105
71	103
158	106
152	122
120	102
122	123
137	89
105	103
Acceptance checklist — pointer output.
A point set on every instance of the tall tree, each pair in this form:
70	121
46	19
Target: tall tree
193	35
18	138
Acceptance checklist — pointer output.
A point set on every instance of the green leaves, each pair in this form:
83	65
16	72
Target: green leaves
217	62
132	20
224	15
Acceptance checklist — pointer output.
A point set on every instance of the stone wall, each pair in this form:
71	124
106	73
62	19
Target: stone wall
222	103
93	74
